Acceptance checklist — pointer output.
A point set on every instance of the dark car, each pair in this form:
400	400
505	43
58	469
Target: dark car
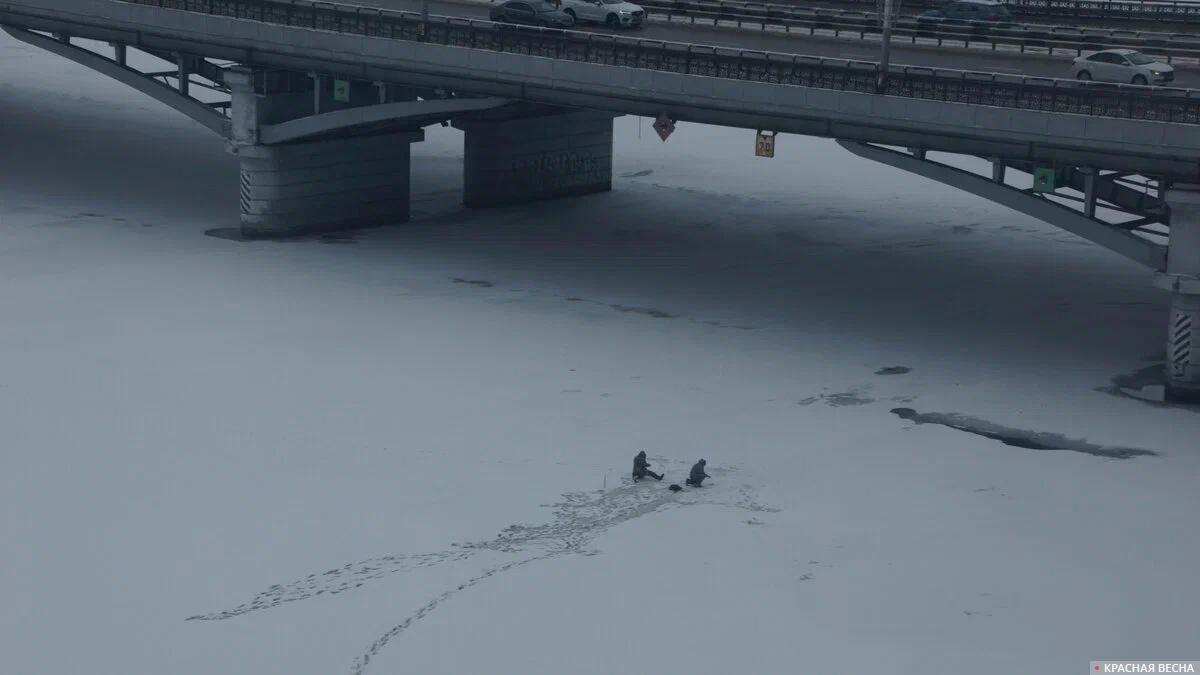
965	12
531	13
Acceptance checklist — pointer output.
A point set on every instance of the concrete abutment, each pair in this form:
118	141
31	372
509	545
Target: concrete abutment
315	185
310	164
325	186
522	159
1182	279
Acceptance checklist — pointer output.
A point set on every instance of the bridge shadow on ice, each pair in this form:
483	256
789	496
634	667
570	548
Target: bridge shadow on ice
812	246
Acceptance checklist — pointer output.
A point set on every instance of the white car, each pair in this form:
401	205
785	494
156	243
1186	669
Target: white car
612	13
1122	65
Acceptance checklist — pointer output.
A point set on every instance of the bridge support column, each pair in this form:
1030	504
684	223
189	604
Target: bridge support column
509	161
313	186
325	186
1182	279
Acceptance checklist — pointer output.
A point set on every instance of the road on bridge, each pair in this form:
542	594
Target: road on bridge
1037	65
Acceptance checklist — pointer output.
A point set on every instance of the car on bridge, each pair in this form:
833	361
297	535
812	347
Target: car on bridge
531	13
968	12
612	13
1125	66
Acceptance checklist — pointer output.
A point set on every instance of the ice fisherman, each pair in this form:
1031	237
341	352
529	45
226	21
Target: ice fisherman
697	476
641	468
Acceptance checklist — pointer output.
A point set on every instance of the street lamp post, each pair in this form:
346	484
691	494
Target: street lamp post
886	48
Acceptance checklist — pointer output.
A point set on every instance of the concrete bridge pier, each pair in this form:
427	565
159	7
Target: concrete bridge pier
304	182
1182	279
519	155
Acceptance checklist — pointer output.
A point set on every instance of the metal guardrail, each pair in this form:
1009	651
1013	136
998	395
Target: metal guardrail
1062	38
1113	11
988	89
862	13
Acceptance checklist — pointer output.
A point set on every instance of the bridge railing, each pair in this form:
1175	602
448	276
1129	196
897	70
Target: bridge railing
1068	39
1115	11
989	89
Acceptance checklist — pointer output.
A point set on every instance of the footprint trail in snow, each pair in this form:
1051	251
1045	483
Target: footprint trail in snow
578	519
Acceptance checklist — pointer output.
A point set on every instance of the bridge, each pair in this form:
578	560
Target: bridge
323	102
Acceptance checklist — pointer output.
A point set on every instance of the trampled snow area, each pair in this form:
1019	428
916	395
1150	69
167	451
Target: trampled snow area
407	451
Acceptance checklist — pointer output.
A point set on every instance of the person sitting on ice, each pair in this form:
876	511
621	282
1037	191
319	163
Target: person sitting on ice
697	477
641	468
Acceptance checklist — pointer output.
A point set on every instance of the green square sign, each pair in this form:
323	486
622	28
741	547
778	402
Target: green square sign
1044	179
341	90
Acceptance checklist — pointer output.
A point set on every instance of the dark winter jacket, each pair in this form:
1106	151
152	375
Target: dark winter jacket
698	474
640	465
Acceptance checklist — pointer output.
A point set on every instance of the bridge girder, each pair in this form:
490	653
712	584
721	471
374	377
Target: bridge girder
436	107
117	69
1125	238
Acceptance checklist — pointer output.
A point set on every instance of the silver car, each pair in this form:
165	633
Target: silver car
612	13
1122	65
530	13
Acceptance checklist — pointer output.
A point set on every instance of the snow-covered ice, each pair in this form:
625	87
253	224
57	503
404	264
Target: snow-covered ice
413	444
